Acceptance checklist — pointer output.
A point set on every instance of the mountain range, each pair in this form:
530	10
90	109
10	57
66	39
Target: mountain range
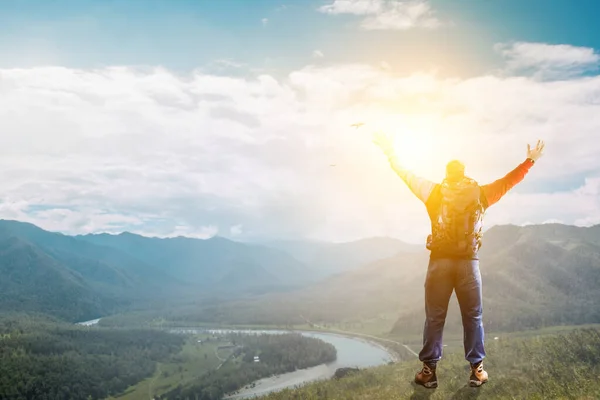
87	276
533	276
334	258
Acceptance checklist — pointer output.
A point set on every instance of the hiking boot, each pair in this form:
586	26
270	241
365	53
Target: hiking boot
426	376
478	375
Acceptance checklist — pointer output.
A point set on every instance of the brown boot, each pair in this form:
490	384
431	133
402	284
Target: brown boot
426	376
478	375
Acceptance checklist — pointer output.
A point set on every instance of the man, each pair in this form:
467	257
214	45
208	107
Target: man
455	207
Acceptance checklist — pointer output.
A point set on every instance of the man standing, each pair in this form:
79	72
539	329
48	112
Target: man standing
456	207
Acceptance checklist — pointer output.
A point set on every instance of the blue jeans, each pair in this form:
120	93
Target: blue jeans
443	276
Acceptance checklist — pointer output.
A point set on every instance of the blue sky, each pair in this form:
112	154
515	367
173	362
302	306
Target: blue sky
187	34
196	118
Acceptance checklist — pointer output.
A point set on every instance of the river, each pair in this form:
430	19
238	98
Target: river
351	352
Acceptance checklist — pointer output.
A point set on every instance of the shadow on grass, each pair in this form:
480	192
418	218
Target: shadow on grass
421	393
466	393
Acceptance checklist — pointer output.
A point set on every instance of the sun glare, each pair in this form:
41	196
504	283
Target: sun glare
416	145
413	148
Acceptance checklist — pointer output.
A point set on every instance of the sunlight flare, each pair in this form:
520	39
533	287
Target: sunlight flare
417	142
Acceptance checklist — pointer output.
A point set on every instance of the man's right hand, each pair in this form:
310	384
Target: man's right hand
537	152
385	143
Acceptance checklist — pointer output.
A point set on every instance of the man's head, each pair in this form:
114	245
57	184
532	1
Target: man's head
455	171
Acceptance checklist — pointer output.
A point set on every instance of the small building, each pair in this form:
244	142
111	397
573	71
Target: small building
256	359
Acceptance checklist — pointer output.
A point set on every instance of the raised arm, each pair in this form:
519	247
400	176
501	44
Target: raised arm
496	190
420	187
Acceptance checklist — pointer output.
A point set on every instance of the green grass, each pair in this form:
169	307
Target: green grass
564	366
512	354
454	341
194	360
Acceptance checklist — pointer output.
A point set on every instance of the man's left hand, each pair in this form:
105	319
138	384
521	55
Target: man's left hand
535	153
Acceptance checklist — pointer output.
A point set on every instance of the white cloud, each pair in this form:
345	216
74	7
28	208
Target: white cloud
264	21
236	230
203	232
580	206
154	152
553	221
318	54
227	63
85	220
387	14
357	7
548	59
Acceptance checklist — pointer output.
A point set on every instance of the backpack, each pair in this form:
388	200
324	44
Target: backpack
457	220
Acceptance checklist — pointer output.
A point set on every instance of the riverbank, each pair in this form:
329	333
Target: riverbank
355	350
367	339
263	355
352	352
398	351
387	345
277	383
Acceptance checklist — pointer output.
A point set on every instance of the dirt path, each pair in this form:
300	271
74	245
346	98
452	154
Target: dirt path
151	383
217	354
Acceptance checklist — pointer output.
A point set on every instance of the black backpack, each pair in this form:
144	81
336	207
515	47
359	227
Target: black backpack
457	218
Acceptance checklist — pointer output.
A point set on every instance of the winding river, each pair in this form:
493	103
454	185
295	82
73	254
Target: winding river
351	352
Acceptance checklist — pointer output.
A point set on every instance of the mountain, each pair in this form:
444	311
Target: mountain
533	276
215	263
62	276
33	281
333	258
88	276
103	266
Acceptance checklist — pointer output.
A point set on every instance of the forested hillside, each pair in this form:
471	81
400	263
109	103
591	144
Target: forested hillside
43	358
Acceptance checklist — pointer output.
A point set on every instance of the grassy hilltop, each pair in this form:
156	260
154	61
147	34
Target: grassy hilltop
564	366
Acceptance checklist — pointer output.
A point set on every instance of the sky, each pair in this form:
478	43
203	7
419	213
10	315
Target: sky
232	118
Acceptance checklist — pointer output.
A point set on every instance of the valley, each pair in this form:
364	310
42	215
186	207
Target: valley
540	281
